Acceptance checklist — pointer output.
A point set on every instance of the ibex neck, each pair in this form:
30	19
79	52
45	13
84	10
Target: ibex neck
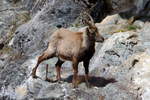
92	44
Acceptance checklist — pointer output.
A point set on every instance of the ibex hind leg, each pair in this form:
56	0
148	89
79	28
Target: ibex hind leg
75	72
44	56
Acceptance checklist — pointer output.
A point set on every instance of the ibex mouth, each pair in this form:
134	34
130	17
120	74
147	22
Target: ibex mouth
103	39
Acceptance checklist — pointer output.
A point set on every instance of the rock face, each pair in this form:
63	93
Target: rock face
59	13
127	4
117	48
144	35
119	70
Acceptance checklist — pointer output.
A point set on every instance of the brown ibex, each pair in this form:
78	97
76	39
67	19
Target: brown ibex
72	46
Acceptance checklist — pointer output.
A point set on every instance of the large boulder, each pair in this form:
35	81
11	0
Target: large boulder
116	49
139	73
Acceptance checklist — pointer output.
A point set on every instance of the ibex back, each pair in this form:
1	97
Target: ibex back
73	46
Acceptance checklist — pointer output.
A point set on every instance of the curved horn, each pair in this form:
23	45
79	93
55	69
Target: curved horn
91	19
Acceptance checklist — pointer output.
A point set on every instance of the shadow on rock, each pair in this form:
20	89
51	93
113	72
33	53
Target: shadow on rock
94	81
142	15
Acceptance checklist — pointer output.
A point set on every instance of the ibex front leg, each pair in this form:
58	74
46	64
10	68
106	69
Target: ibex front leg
75	72
86	66
58	69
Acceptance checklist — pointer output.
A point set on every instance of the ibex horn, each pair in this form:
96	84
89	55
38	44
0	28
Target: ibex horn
91	19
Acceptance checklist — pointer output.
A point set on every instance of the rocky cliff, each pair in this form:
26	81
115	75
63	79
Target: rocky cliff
119	70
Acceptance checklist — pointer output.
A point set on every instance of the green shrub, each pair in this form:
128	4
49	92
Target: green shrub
132	27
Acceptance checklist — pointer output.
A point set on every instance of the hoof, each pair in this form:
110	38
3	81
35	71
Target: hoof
48	80
60	81
88	85
75	86
34	73
34	76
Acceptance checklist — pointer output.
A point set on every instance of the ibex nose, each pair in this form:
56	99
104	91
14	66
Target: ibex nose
100	39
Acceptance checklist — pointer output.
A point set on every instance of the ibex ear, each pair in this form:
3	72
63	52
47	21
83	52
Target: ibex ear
88	32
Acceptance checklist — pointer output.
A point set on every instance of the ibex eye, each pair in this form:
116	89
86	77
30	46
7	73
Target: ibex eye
95	29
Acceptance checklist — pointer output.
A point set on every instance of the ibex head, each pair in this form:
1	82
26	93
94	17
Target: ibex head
92	30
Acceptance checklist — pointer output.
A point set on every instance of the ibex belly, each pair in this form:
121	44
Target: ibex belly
67	49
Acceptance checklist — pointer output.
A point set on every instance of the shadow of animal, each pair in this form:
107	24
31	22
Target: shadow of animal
93	80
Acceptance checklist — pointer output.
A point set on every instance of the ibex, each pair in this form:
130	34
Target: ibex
72	46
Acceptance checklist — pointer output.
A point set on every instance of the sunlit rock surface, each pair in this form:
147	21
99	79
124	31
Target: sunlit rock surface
145	36
119	69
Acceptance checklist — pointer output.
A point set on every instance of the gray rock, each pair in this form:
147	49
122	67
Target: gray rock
114	92
30	36
124	5
116	49
113	19
119	69
145	36
15	71
139	23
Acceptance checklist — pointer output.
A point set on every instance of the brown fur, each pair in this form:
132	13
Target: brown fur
73	46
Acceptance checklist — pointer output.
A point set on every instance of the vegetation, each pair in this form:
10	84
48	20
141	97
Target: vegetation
132	27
